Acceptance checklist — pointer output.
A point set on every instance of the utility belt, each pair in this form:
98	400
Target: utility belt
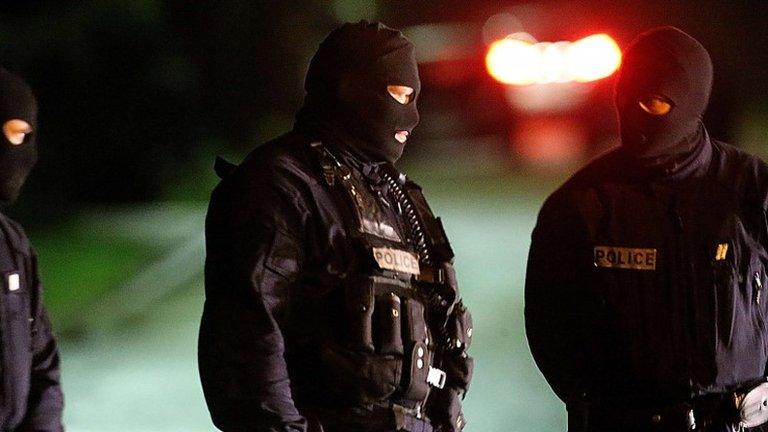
380	417
742	411
408	419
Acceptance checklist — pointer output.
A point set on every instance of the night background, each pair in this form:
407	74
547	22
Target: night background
138	97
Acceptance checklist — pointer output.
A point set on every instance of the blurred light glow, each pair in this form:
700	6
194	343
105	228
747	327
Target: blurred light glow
522	61
552	98
548	141
593	58
513	61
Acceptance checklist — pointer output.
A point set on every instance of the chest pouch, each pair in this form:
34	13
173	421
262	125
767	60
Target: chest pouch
417	377
374	313
388	319
396	327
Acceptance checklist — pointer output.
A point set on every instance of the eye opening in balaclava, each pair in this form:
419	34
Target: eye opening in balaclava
398	91
17	102
17	131
655	104
347	89
670	64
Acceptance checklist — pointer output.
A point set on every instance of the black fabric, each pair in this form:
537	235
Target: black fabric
347	99
666	62
712	413
273	346
16	161
447	410
30	391
694	325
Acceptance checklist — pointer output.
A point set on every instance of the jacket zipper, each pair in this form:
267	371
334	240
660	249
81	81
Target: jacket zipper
689	337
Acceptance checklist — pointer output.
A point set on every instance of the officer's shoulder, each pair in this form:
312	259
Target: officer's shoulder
15	234
283	160
601	169
740	171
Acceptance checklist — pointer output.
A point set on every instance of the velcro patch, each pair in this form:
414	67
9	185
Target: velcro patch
380	229
397	260
625	258
722	252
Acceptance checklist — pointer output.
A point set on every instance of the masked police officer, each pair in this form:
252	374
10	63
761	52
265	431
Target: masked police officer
644	296
30	395
331	300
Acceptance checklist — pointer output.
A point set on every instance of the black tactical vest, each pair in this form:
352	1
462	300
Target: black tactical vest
387	349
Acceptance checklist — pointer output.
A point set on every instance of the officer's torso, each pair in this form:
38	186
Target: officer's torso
16	298
677	274
356	332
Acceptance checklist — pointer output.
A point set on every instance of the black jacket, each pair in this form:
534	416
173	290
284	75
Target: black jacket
646	287
31	398
278	247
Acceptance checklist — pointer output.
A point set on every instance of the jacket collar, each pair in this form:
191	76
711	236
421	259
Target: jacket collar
682	170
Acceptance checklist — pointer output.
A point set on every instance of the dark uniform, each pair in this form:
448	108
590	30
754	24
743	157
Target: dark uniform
331	301
31	398
30	394
644	296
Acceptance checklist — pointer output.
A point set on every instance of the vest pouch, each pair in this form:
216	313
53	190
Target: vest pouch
415	322
388	332
359	298
368	367
415	380
415	376
445	410
460	327
458	370
458	366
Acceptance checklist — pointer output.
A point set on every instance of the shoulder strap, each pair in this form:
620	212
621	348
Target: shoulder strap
327	162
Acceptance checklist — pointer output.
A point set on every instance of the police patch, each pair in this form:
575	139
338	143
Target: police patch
397	260
625	258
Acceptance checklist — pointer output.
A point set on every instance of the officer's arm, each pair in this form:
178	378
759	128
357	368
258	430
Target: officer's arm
558	305
254	253
45	403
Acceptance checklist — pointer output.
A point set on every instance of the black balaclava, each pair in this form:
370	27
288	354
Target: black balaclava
347	94
16	160
669	63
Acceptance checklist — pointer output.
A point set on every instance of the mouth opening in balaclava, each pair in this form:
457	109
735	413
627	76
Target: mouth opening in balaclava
16	160
347	93
661	94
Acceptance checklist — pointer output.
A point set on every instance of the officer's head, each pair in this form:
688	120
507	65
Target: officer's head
661	93
365	75
18	152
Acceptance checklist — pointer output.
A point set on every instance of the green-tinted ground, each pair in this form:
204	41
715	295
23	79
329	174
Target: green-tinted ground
81	265
133	366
